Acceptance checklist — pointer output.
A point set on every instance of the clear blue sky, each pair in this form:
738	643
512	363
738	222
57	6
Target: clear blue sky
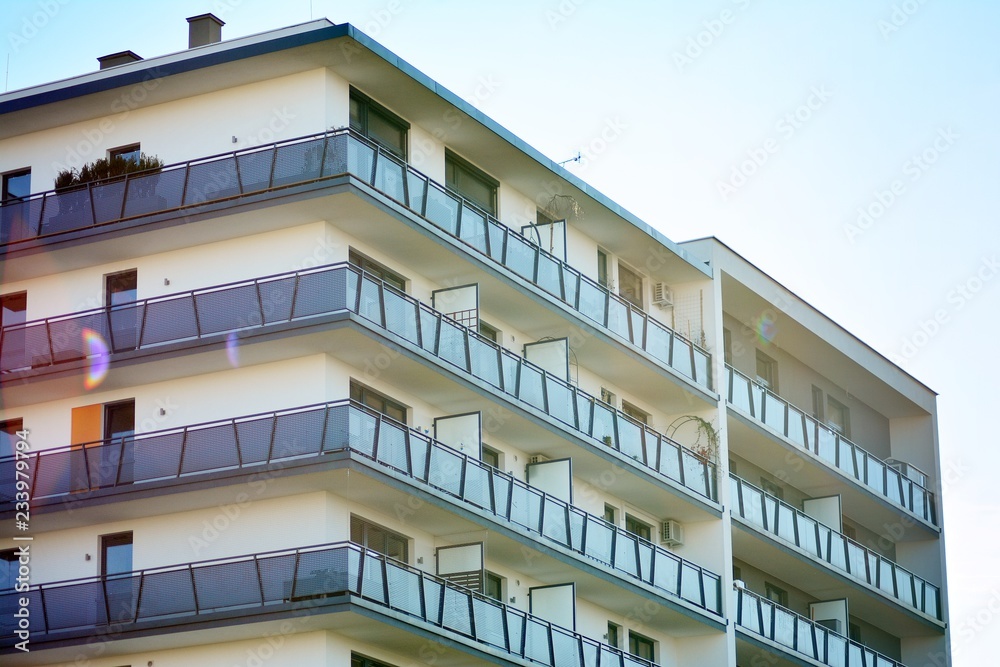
889	106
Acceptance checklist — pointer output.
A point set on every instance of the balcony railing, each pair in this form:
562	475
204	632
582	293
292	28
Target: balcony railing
253	171
299	296
299	434
293	580
806	432
801	637
791	526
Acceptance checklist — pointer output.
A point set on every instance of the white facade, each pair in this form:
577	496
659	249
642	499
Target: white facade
314	411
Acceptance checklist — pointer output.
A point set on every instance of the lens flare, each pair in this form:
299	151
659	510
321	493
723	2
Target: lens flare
766	329
232	349
97	354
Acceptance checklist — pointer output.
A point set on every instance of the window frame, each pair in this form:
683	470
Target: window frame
603	268
366	524
489	332
493	454
817	404
773	591
614	636
625	294
112	540
10	427
360	393
454	161
770	382
369	107
727	346
636	640
130	152
377	269
638	414
638	527
358	660
6	178
834	406
494	578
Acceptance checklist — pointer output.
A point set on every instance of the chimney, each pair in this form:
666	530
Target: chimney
204	29
120	58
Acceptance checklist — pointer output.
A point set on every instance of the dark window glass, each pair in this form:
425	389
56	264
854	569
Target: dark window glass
377	270
378	402
362	661
121	288
774	489
116	554
379	539
130	153
727	346
637	527
775	594
16	185
640	646
8	436
119	420
374	121
614	634
611	516
602	267
838	417
8	569
767	372
630	286
486	331
491	457
817	397
635	413
471	183
494	586
14	309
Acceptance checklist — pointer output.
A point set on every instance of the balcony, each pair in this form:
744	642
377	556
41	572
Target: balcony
313	580
786	524
106	205
303	436
296	298
835	451
782	631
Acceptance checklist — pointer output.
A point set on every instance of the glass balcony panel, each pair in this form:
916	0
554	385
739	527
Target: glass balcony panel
372	578
255	170
442	209
669	463
784	627
680	357
400	315
566	649
515	629
322	291
416	187
65	211
593	301
571	284
609	658
886	576
473	228
691	583
646	551
584	413
770	513
215	179
658	342
107	199
561	401
278	572
638	324
361	436
809	638
756	400
521	257
360	159
808	534
79	606
538	641
875	471
893	485
498	241
599	539
836	650
529	388
604	425
502	488
511	367
392	449
753	506
702	367
428	330
555	521
19	220
446	470
166	594
827	443
452	343
276	297
618	318
404	590
739	391
904	586
696	475
477	485
625	553
796	426
212	448
390	178
227	310
255	446
489	623
457	614
667	572
524	507
712	584
216	591
420	455
774	412
301	161
785	524
630	440
167	320
577	526
433	593
549	276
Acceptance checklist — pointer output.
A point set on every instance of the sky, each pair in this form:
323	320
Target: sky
848	149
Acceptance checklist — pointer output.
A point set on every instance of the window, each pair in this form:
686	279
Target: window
775	594
377	538
377	270
121	288
362	661
767	372
737	573
486	331
16	185
119	420
491	457
130	153
378	402
14	311
630	285
602	267
494	586
727	346
614	634
817	397
635	413
8	436
849	531
372	120
8	569
641	647
116	554
471	183
120	292
611	514
838	417
774	489
732	466
854	632
637	527
608	397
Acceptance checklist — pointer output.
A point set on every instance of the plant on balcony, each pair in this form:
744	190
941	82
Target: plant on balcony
106	169
706	443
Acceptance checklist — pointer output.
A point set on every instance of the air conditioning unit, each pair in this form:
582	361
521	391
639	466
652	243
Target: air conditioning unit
662	295
537	458
671	533
739	584
909	471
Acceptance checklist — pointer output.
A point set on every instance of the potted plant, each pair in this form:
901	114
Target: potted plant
106	171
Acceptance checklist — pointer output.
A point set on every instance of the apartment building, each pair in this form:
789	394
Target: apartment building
349	374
